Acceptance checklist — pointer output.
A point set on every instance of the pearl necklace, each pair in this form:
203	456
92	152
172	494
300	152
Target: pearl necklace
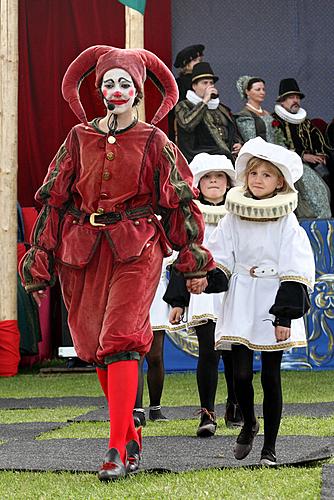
260	110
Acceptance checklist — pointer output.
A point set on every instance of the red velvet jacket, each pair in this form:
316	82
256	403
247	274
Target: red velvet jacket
88	175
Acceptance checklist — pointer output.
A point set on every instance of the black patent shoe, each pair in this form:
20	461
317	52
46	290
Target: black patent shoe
207	425
139	418
245	440
113	467
233	416
134	456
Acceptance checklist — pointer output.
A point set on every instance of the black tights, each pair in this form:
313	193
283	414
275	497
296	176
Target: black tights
207	367
271	385
155	372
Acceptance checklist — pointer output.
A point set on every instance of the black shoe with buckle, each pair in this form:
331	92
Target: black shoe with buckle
245	441
112	467
208	425
268	458
134	456
156	415
139	418
233	416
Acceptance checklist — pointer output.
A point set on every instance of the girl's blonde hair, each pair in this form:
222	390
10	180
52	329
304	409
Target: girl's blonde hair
255	162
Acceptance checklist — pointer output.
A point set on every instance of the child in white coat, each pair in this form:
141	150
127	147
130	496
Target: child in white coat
213	176
268	266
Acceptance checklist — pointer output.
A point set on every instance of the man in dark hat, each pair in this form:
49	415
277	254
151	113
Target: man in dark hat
300	135
204	124
185	61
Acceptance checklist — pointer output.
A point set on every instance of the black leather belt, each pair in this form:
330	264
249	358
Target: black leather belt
96	219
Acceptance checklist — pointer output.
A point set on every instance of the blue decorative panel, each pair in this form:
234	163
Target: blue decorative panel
181	348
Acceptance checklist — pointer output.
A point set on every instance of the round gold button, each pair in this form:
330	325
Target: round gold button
110	156
106	175
104	196
136	222
100	210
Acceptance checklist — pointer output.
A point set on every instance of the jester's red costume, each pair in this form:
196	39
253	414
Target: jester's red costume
99	231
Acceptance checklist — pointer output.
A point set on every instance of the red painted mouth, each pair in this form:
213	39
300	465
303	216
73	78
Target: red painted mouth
119	102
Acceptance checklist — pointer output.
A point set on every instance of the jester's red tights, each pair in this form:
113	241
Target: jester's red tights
119	384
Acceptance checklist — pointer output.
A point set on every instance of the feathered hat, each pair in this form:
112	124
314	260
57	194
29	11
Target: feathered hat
137	62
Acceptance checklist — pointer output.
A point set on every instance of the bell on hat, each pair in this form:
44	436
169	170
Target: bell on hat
203	70
288	86
288	162
188	54
203	163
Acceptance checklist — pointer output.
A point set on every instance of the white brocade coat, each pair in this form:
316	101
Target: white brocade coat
282	250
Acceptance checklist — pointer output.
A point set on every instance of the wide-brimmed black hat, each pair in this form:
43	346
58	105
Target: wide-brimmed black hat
188	54
203	70
288	86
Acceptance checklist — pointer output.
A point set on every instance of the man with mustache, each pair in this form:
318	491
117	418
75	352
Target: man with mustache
298	134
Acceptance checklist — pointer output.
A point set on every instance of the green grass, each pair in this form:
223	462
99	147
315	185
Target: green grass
290	426
42	414
180	389
245	484
242	484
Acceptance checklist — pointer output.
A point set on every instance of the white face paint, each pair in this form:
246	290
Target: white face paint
118	89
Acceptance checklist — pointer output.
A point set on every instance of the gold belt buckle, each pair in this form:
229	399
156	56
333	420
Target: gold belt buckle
92	220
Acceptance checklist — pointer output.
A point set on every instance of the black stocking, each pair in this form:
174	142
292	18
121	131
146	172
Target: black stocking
272	396
156	370
228	372
243	382
139	397
207	366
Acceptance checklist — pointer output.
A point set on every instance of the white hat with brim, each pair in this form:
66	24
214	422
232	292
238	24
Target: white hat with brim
203	163
288	162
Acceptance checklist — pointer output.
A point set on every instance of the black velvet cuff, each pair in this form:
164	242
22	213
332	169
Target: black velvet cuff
286	322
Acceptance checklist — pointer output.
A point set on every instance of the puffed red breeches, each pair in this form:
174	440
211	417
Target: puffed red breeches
108	302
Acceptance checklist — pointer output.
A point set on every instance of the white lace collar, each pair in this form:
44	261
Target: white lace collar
193	97
259	210
290	117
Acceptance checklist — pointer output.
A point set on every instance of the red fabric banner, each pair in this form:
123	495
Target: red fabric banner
51	35
9	348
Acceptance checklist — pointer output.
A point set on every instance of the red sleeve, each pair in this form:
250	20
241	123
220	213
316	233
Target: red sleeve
181	218
37	265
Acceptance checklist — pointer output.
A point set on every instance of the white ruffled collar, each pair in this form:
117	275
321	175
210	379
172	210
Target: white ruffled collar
211	213
193	97
260	210
290	117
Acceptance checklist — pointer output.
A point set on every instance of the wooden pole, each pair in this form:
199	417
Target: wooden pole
8	157
134	39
